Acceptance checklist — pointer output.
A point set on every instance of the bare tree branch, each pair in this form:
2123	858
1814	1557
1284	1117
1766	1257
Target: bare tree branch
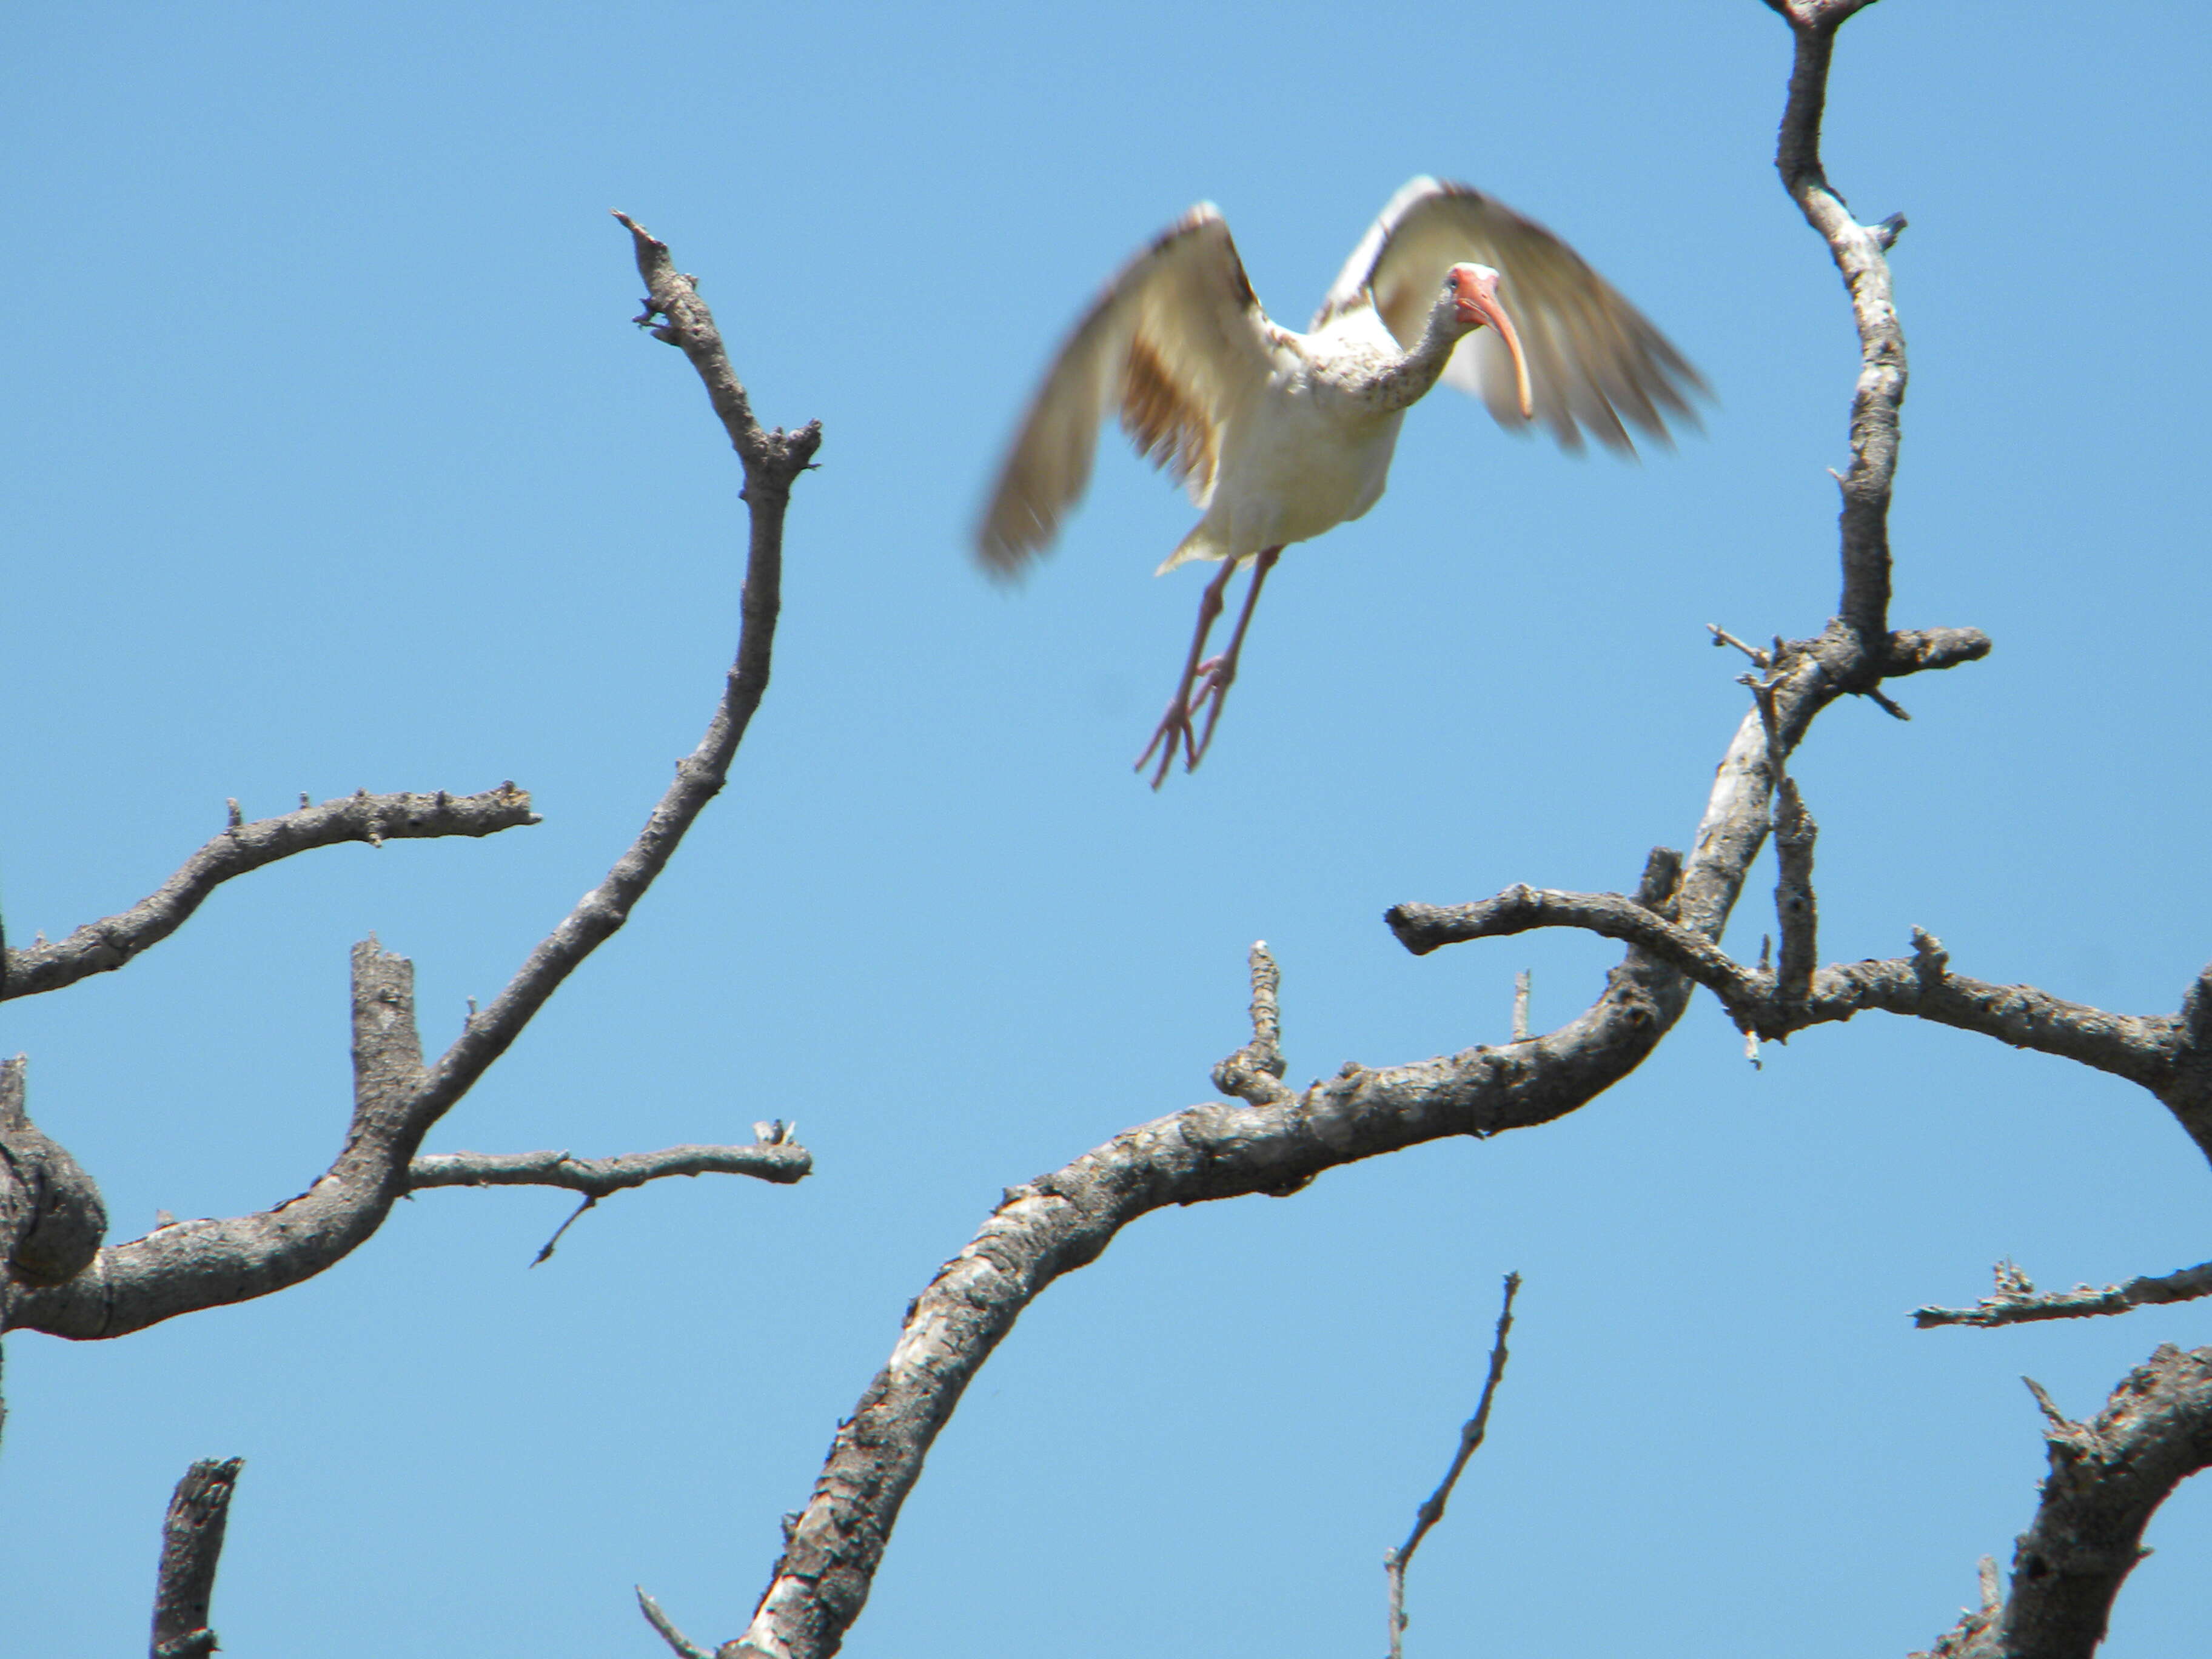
2107	1479
1422	928
1254	1072
770	1159
1065	1219
1923	650
599	1177
1470	1440
1859	252
773	462
2145	1049
1796	914
100	947
200	1264
192	1547
2017	1301
660	1621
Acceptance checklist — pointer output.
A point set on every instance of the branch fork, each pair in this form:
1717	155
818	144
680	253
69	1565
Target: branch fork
1254	1072
397	1097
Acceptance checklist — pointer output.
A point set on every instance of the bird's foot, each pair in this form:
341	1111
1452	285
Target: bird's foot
1178	728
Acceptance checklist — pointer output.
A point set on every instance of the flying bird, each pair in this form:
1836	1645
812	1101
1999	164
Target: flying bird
1279	436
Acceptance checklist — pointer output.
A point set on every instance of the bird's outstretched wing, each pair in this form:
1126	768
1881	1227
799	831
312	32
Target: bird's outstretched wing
1594	360
1176	345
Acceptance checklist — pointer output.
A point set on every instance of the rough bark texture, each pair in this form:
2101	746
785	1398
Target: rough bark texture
2158	1052
1279	1141
2017	1301
597	1177
192	1547
52	1218
184	1266
100	947
2107	1479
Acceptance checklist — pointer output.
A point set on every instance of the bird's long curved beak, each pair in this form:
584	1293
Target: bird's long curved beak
1479	304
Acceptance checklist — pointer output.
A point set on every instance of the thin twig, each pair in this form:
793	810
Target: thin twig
545	1251
1521	1006
1722	636
1470	1438
661	1622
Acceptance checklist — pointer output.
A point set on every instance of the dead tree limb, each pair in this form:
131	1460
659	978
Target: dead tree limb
1470	1441
1065	1220
600	1177
682	1645
2150	1049
2107	1479
191	1549
189	1266
100	947
2016	1300
1254	1072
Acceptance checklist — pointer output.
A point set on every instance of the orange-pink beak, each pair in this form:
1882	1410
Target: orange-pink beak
1475	289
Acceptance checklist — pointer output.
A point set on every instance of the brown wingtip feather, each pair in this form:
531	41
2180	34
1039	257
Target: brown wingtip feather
1165	421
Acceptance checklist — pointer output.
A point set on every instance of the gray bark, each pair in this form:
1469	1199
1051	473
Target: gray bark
192	1547
185	1266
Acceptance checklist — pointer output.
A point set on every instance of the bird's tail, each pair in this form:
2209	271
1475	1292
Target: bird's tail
1199	545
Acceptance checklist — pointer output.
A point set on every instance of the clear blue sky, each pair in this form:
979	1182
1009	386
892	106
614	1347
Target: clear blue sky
336	463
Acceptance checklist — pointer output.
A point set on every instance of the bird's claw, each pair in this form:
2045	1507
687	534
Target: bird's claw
1209	684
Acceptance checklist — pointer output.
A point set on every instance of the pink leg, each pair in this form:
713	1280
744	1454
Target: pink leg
1221	673
1174	725
1209	679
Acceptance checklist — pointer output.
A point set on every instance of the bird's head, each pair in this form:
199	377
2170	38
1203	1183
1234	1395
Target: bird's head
1472	291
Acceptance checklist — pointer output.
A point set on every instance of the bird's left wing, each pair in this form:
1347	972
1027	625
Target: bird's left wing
1176	345
1595	360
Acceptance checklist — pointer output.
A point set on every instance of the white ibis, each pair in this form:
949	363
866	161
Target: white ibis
1279	436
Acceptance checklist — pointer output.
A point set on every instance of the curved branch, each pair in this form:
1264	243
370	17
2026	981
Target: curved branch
184	1267
773	462
2107	1479
1422	928
1067	1219
2142	1050
100	947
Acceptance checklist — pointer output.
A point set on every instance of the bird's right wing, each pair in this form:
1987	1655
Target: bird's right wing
1176	343
1595	360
